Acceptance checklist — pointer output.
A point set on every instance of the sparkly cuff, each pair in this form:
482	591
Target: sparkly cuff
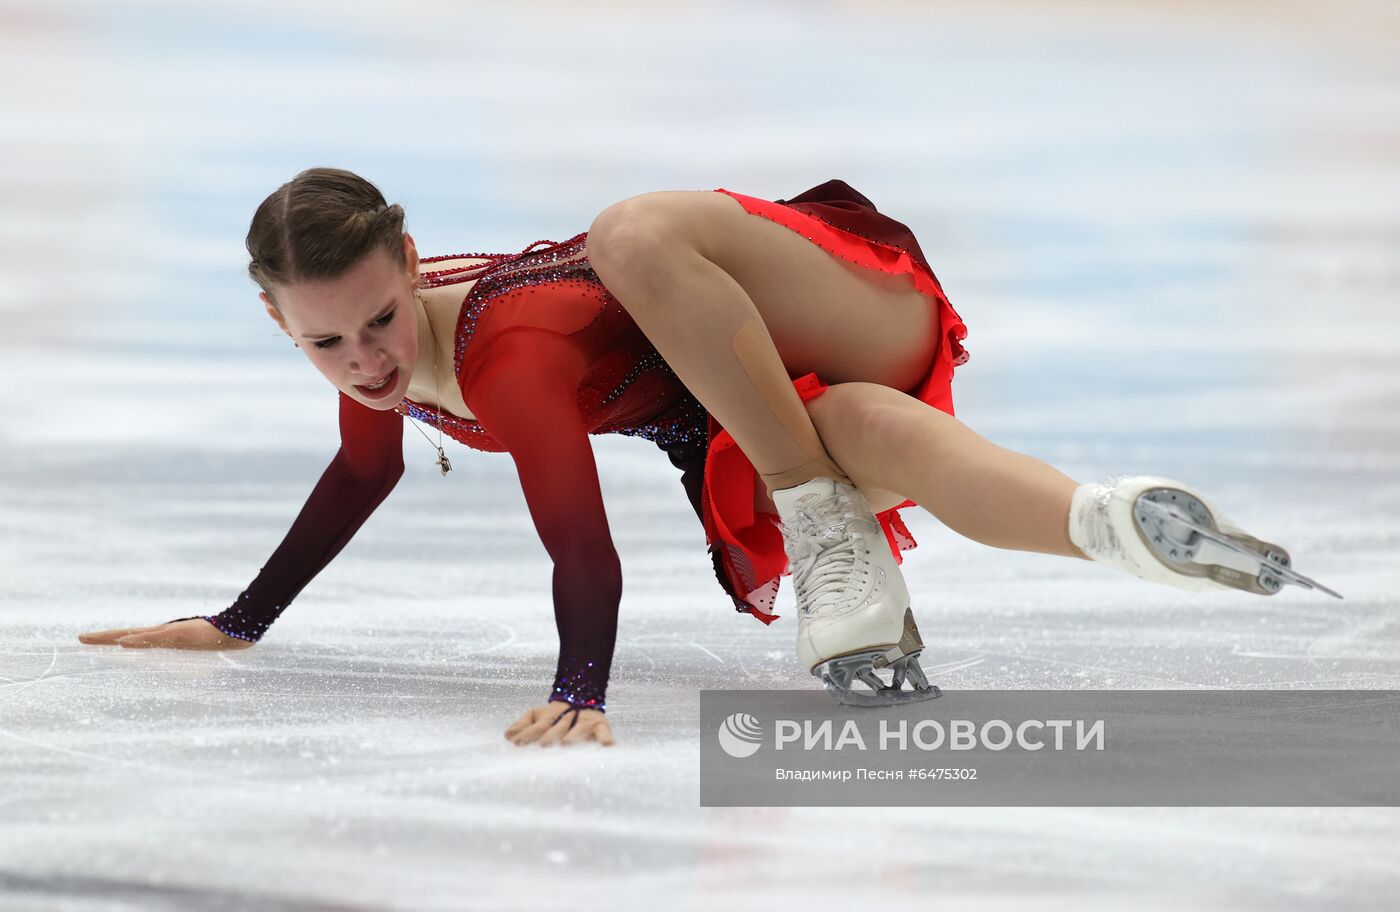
576	703
231	623
220	624
579	684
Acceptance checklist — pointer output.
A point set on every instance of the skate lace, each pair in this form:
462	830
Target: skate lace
822	551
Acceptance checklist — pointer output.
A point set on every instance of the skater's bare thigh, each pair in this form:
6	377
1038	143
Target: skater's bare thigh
843	321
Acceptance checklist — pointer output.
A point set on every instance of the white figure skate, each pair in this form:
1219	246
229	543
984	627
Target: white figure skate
853	613
1166	532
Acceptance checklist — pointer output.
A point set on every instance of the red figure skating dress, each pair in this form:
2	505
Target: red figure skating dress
546	356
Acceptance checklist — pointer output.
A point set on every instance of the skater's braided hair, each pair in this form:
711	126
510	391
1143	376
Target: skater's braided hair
318	225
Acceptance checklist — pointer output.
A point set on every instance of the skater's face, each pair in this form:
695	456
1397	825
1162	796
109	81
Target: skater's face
358	328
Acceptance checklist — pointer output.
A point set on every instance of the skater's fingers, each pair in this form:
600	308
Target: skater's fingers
587	727
166	636
559	729
587	719
549	711
528	734
544	717
107	637
196	633
525	719
589	724
602	733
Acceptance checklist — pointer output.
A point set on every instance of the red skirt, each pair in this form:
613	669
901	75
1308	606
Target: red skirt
837	218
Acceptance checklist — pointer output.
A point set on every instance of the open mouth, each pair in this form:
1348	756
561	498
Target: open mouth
380	389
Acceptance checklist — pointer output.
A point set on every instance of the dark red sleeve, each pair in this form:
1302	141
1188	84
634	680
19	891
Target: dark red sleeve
523	388
365	469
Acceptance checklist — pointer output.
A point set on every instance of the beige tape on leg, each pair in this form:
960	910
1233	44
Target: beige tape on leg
791	478
754	349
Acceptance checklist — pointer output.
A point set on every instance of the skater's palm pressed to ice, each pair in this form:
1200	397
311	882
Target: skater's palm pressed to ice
560	723
195	633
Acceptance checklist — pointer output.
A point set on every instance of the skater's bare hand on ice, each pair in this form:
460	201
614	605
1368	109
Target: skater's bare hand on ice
557	722
193	633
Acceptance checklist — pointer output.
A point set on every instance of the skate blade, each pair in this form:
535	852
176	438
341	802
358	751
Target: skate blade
839	675
1157	507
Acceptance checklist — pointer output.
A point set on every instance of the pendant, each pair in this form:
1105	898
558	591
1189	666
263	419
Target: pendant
443	462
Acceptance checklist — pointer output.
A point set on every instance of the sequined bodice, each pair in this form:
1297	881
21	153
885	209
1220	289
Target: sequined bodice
629	389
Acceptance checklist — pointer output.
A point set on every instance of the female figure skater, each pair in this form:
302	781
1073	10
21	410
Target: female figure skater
682	318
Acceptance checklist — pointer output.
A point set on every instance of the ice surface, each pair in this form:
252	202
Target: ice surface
1173	232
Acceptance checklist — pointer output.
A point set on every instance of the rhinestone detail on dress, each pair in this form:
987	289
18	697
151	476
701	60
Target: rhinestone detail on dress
498	275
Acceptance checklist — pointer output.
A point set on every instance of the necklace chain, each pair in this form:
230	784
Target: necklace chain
443	462
491	261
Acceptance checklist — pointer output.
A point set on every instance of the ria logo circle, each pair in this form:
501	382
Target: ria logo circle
740	735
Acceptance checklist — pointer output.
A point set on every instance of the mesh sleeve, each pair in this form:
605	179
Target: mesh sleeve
365	469
524	389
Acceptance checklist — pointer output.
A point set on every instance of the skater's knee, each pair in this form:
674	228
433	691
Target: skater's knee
632	239
858	412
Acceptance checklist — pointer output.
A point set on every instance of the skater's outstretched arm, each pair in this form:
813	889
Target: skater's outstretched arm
523	388
365	469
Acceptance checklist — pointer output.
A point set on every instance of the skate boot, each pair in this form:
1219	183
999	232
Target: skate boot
853	613
1166	532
